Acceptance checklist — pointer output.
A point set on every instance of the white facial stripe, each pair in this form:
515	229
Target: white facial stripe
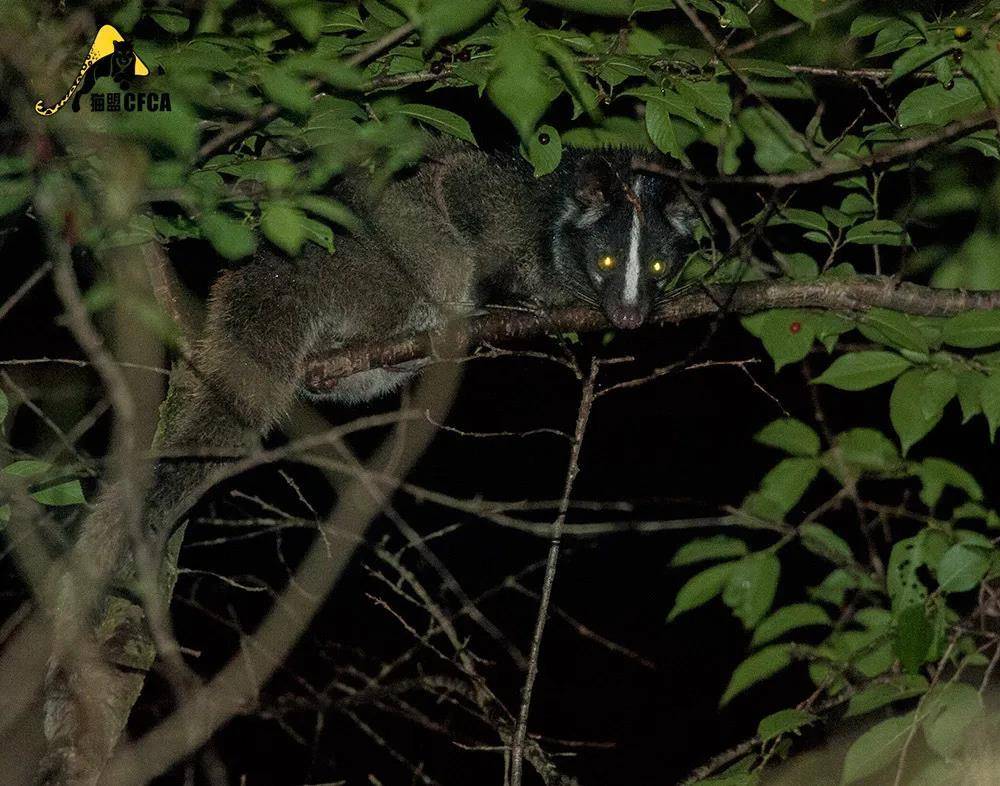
631	293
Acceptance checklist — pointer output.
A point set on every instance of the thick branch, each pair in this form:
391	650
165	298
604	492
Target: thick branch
850	295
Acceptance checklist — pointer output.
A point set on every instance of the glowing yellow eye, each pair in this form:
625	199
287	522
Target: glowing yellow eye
657	267
606	263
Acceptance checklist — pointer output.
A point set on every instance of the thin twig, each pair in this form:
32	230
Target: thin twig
548	582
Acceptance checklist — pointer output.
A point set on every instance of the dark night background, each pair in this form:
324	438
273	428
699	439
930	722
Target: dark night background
677	447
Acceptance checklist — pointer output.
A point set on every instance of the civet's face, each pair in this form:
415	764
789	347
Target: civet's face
627	233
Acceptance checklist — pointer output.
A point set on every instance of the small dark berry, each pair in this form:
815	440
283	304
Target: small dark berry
962	33
794	328
949	84
464	56
543	138
437	67
957	55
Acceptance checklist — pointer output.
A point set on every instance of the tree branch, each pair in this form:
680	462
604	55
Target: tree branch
323	370
841	166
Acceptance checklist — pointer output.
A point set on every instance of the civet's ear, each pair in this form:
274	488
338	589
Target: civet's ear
682	214
594	182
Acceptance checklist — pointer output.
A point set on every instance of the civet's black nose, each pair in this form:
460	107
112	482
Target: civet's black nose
626	317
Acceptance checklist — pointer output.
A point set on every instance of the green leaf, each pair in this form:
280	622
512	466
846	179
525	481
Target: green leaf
962	567
4	406
897	34
902	581
868	450
937	473
441	119
803	267
544	156
285	90
787	334
446	17
732	779
785	484
936	772
700	589
863	370
777	146
782	722
672	102
972	265
877	232
933	545
876	749
917	403
951	709
713	548
973	329
802	9
283	225
808	219
68	492
833	587
903	686
766	68
14	193
231	238
750	589
519	87
125	18
868	24
919	57
330	209
709	96
639	6
825	543
983	65
304	16
759	666
14	165
913	637
171	20
733	16
989	396
790	435
596	7
573	75
277	173
857	205
319	233
791	617
27	468
661	130
894	329
936	105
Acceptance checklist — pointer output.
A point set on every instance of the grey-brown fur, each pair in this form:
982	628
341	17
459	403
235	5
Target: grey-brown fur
461	231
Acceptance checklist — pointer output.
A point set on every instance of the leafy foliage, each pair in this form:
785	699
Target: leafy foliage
272	102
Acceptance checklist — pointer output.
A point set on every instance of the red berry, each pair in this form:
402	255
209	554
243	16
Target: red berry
795	327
